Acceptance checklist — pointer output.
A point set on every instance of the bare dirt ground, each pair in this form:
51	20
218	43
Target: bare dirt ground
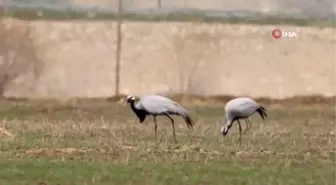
101	142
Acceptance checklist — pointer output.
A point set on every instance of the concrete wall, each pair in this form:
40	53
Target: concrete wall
163	57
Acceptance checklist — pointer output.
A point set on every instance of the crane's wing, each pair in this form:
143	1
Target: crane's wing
241	107
250	106
156	104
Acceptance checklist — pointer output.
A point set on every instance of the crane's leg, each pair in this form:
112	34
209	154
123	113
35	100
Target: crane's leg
173	125
155	126
240	130
248	125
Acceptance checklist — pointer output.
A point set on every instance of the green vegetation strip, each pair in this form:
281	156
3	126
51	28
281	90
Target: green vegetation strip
58	172
25	14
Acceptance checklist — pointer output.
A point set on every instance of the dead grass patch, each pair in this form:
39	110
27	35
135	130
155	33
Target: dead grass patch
54	151
4	132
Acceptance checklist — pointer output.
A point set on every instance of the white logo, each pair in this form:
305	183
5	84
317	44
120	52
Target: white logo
277	34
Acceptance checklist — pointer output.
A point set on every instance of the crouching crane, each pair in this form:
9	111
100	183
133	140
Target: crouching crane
241	108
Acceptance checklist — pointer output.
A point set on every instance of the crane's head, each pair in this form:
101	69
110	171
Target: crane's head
225	130
129	99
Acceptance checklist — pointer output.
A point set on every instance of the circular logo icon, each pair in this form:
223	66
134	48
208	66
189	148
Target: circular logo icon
276	33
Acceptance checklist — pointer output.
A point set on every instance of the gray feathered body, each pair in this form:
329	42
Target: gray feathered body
243	108
159	105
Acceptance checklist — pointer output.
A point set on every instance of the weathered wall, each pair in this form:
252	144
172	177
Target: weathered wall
161	57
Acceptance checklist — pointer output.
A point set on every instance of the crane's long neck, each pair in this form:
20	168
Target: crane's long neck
229	123
135	110
226	127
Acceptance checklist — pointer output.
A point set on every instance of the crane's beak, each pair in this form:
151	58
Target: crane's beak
224	131
125	102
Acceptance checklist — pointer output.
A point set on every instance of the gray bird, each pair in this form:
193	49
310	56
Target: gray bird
241	108
156	105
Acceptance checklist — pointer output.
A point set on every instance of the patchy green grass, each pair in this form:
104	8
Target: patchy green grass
256	18
97	142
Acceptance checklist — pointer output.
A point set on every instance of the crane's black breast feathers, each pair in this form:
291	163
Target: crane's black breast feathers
142	115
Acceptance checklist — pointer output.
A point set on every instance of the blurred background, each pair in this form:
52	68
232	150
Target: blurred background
102	48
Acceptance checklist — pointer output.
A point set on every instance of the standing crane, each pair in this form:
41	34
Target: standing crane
156	105
241	108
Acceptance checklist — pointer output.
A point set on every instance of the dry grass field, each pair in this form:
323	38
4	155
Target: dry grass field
101	142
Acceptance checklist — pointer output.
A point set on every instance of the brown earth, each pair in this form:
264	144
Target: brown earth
166	58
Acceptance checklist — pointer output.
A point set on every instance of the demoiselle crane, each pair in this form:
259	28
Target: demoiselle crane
241	108
156	105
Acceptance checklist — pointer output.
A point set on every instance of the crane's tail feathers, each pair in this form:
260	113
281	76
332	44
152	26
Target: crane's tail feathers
189	121
262	112
182	112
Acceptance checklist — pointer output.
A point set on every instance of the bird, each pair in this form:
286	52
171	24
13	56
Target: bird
241	108
156	105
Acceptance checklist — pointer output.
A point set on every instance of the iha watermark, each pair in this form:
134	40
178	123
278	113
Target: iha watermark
278	34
